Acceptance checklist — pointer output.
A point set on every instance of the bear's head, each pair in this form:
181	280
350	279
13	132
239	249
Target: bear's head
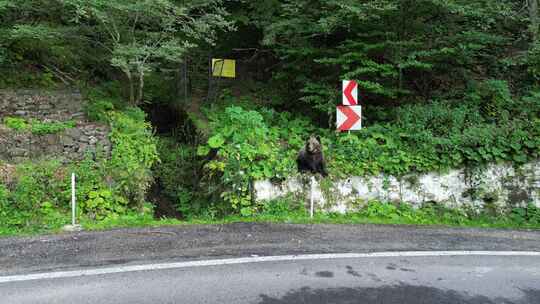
313	145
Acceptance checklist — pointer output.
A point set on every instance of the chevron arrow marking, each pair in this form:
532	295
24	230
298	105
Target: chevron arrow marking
350	93
349	118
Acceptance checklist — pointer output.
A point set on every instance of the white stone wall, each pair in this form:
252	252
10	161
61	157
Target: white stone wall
497	184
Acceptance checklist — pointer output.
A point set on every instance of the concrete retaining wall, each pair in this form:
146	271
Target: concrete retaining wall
498	185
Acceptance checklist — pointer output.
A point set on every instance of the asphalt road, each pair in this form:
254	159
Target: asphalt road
397	280
366	279
180	243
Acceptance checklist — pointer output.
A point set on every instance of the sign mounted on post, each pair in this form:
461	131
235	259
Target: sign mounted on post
350	93
349	118
224	68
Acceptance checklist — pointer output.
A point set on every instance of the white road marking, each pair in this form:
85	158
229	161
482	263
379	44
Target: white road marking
259	259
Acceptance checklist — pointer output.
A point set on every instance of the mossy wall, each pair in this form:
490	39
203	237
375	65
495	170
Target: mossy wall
496	186
48	107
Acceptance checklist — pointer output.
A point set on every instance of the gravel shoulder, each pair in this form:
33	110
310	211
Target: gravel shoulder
182	243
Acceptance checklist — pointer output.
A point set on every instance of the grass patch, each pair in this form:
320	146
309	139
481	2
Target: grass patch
299	217
53	227
128	221
374	213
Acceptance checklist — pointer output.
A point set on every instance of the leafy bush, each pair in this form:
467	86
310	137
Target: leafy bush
39	197
16	123
436	214
38	127
103	203
527	215
281	207
133	155
36	200
246	150
42	128
493	99
97	110
178	175
5	208
248	145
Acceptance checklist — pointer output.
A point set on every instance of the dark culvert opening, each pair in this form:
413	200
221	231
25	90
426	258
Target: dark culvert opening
165	118
171	123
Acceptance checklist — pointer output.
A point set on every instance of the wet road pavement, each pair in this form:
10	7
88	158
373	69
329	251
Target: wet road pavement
388	280
404	280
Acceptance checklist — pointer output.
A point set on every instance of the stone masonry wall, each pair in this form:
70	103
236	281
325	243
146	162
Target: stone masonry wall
53	106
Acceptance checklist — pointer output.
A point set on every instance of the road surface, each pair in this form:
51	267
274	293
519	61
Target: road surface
200	264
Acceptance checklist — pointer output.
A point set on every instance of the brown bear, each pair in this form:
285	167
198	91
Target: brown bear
310	158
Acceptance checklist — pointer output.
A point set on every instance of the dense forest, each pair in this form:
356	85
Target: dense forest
443	84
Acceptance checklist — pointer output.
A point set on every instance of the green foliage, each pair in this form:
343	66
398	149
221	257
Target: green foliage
428	214
37	127
13	78
422	138
139	36
16	123
437	214
35	202
41	128
398	51
281	207
103	203
178	175
133	155
530	215
38	198
252	145
247	149
98	110
41	50
494	100
443	83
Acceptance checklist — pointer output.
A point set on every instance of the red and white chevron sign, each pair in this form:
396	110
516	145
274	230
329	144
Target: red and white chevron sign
350	93
349	118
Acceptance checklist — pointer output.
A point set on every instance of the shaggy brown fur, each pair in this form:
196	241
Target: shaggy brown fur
311	158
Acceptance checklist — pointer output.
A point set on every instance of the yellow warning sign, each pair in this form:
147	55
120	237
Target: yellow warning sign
224	68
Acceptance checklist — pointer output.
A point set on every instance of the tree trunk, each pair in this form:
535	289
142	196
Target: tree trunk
183	84
533	16
141	86
131	87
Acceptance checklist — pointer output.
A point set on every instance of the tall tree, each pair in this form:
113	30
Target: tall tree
399	51
141	35
533	16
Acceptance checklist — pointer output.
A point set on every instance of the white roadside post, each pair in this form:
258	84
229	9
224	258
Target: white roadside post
74	226
73	199
312	197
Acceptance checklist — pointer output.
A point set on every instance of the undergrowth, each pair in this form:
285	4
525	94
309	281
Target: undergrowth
374	213
38	127
249	142
35	197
